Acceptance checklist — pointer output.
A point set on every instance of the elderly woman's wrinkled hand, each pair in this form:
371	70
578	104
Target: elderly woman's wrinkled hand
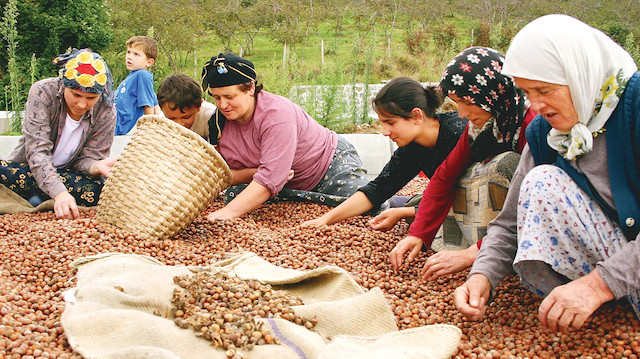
568	306
447	262
471	298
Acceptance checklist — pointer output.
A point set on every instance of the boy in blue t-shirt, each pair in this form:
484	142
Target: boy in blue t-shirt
135	96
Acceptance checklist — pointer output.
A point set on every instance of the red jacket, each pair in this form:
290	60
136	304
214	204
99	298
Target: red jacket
438	196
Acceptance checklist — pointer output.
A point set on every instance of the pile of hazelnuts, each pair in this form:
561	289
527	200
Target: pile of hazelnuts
37	251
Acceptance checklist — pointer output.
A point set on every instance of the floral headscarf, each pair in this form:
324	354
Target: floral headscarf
561	50
86	71
475	75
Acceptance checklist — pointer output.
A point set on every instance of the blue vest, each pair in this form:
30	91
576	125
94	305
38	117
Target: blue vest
623	154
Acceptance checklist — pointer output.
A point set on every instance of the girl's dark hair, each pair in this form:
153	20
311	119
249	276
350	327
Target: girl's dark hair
247	86
401	95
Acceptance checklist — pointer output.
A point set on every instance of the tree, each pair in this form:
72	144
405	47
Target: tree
284	19
10	35
49	27
175	23
236	22
46	28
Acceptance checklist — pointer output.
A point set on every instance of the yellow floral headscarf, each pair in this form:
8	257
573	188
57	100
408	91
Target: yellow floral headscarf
86	71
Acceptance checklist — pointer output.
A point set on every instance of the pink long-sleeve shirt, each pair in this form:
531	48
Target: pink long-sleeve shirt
279	137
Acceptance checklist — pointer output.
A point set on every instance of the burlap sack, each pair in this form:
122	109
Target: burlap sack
479	197
121	305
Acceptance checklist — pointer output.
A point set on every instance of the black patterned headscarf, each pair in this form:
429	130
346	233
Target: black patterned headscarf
86	71
227	70
475	75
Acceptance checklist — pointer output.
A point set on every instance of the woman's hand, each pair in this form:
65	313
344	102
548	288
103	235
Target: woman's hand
356	204
387	219
250	198
64	206
314	222
447	262
568	306
222	213
471	297
102	167
410	244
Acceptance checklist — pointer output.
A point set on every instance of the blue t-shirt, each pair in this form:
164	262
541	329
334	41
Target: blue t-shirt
135	92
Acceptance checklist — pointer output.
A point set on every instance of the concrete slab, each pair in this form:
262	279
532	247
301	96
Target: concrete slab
374	149
7	144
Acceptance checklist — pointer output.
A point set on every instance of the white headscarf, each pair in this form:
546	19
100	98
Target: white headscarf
561	50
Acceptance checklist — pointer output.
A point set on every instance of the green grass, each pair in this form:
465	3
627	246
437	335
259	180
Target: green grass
351	58
343	57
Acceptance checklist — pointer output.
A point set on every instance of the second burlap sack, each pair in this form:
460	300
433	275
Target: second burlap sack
121	304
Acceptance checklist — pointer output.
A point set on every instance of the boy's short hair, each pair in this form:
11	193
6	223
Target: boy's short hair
180	90
147	44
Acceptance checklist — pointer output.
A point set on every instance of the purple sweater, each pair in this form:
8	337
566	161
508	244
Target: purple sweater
279	137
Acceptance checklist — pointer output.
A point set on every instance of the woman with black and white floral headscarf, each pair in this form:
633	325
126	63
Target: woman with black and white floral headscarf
497	114
474	81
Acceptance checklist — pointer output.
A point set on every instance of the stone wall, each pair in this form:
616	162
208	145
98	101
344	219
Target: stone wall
5	121
350	102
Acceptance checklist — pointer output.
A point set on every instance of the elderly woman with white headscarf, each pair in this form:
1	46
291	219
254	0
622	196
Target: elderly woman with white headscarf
574	200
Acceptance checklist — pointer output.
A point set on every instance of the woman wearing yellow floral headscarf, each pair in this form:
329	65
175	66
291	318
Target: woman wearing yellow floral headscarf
67	133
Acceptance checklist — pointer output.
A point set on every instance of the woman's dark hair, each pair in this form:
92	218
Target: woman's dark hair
180	90
247	86
401	95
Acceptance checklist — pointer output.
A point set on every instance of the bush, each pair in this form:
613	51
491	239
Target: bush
501	37
632	46
482	35
444	35
417	42
618	33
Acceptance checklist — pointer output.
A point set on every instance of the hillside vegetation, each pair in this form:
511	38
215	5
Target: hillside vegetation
291	42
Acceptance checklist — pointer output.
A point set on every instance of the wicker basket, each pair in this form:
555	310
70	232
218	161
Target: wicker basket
166	176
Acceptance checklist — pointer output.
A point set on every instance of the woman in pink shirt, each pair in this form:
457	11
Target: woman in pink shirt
274	148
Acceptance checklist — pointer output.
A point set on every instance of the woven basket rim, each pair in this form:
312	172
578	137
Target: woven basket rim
180	129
